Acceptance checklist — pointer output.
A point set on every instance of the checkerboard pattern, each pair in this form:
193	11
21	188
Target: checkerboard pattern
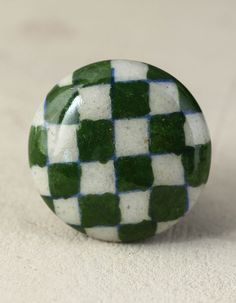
119	150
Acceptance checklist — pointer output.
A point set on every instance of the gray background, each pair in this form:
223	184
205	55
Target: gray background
43	260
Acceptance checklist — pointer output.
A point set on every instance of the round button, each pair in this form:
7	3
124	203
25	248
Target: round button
119	150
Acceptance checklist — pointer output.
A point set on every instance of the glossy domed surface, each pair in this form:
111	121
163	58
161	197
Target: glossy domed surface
119	150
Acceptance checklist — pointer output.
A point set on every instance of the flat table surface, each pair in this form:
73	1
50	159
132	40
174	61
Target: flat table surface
42	259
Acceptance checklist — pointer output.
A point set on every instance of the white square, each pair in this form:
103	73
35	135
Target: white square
38	119
68	80
194	194
103	233
97	178
168	170
68	210
62	143
196	131
40	176
163	98
126	70
134	207
95	102
131	137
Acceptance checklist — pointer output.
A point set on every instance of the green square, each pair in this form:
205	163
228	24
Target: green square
99	210
196	161
157	74
129	99
186	100
37	147
78	228
133	173
92	74
167	203
60	107
167	133
137	232
64	179
49	202
95	140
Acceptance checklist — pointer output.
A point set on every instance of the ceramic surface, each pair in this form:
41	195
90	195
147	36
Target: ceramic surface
119	150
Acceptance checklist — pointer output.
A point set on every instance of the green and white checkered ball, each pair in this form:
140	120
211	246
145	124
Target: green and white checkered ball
119	150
